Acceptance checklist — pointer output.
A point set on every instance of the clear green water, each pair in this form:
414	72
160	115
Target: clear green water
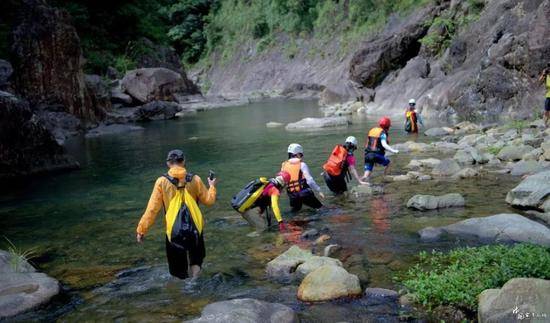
83	222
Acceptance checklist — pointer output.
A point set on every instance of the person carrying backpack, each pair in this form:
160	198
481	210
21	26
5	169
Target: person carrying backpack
339	165
376	146
178	193
412	118
261	194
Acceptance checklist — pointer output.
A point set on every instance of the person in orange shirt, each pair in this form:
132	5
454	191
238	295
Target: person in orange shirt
164	191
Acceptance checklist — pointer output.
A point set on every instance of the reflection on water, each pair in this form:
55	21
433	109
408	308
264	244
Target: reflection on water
84	222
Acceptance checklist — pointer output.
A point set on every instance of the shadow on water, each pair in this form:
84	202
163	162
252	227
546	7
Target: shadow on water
83	222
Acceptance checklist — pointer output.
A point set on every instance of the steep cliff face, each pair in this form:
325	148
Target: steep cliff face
47	60
26	146
459	59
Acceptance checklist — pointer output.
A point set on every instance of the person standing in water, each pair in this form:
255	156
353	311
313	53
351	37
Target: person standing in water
265	196
376	146
178	192
301	185
412	118
339	165
545	77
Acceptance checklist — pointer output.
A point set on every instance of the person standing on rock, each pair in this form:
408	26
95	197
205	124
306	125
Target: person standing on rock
376	146
545	77
339	166
178	192
412	119
301	186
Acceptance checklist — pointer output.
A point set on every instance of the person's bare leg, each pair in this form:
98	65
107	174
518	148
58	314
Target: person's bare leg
366	175
195	271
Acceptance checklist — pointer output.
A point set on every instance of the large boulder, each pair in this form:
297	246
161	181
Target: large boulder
520	299
438	131
295	263
532	192
500	228
328	282
151	84
26	146
157	110
312	124
447	167
21	287
515	152
545	146
48	61
525	167
431	202
246	310
100	94
411	146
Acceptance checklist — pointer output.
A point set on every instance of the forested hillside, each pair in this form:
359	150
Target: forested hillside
112	32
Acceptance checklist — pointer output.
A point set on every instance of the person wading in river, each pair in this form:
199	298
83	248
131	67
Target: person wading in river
376	146
178	193
339	166
301	186
545	77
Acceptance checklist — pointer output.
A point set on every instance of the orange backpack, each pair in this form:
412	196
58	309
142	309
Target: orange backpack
336	161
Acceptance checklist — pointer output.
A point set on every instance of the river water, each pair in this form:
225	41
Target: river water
82	223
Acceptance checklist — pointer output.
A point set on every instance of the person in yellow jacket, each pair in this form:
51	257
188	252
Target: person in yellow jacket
545	77
164	193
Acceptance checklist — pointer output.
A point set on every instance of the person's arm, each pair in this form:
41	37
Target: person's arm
275	208
201	193
388	147
309	179
353	171
153	208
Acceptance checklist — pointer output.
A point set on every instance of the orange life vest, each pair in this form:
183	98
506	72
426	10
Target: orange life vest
296	177
373	143
336	161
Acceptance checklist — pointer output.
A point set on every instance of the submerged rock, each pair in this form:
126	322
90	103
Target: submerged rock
519	299
295	263
431	202
112	130
21	287
308	124
328	282
447	167
157	110
466	173
361	191
273	124
439	131
381	301
246	310
532	192
496	228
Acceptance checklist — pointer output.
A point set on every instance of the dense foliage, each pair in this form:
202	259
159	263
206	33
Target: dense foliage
111	31
458	277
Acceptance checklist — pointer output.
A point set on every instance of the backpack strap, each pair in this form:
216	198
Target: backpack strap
189	177
171	179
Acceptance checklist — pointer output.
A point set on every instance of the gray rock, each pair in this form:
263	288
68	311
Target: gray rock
309	124
539	123
447	167
515	152
295	263
464	157
309	234
545	146
445	146
157	110
111	130
519	299
499	228
246	310
61	124
533	154
381	301
100	94
411	146
431	202
328	282
437	132
524	167
154	84
273	124
532	192
6	70
117	96
361	191
21	287
466	173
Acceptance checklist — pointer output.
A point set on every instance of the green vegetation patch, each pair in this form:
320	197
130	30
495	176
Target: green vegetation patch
456	278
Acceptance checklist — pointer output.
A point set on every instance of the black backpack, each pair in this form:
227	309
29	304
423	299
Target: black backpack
184	233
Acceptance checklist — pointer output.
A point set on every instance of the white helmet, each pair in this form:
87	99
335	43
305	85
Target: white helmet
352	140
295	149
412	101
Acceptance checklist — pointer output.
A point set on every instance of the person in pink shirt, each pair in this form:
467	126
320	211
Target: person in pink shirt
340	165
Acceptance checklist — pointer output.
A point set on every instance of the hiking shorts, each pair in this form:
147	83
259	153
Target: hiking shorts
372	158
180	259
547	104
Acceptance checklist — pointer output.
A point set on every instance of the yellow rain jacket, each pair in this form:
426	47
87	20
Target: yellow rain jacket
164	191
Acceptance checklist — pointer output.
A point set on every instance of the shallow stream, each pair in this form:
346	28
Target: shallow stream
82	223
